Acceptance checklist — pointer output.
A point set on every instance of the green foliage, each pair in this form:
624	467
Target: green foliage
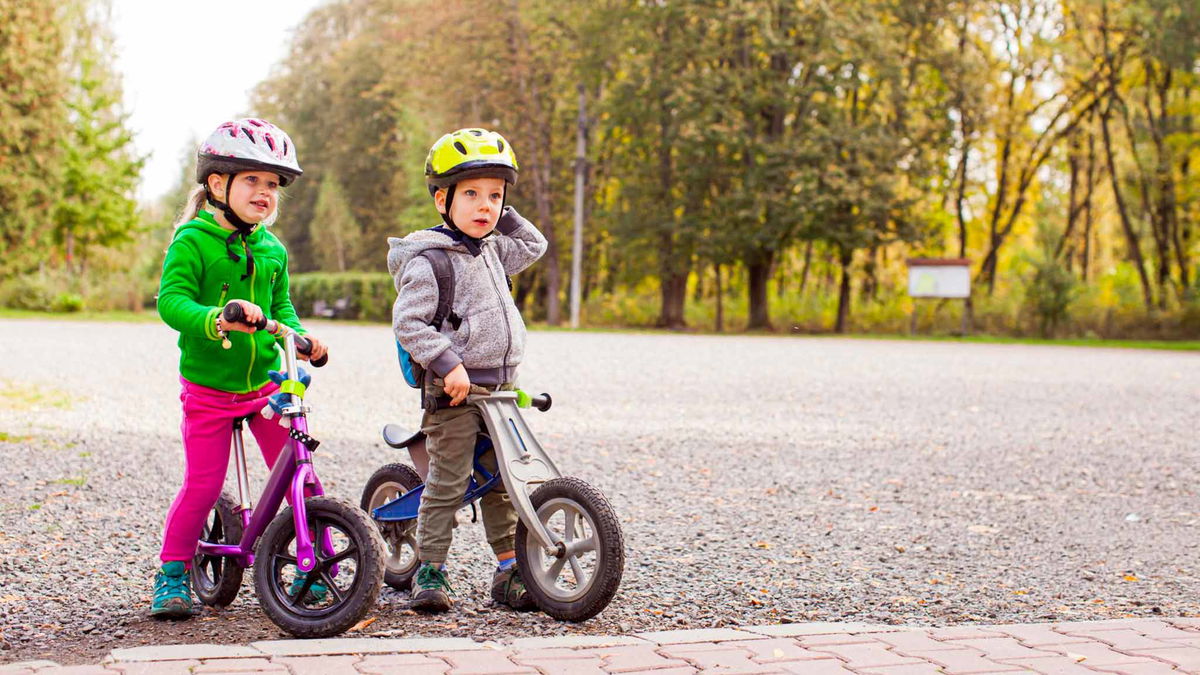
33	117
370	295
70	197
334	232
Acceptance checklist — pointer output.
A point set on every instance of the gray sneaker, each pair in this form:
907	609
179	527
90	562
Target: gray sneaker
509	589
431	590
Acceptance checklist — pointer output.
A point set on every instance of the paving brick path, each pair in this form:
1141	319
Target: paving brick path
1131	646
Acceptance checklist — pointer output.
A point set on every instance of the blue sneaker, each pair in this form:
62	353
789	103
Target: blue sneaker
316	592
172	592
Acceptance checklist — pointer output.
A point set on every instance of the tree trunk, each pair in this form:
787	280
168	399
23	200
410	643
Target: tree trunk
674	292
720	327
1131	237
843	310
808	251
758	273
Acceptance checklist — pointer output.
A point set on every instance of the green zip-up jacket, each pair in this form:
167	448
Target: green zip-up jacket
199	277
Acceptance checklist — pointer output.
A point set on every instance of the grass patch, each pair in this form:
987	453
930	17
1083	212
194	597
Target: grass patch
1167	345
123	316
74	482
25	396
697	328
6	437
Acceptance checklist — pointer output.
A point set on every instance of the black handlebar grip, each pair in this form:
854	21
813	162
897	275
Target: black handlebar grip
305	347
542	401
233	313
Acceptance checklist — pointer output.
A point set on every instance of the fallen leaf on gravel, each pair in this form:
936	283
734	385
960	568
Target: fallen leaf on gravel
1130	577
1077	658
762	544
362	624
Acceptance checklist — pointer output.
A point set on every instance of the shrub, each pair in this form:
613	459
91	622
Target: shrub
367	295
66	303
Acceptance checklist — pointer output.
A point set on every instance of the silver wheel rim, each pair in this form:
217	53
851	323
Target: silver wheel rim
568	578
400	541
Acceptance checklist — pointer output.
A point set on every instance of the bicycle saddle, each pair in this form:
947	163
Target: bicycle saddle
397	437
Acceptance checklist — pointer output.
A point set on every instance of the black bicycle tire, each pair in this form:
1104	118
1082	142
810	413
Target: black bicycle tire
610	550
406	476
363	592
228	581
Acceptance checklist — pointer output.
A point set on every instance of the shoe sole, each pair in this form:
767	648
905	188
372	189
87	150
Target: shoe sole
434	604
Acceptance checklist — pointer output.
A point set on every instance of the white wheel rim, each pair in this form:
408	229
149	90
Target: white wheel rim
402	556
568	578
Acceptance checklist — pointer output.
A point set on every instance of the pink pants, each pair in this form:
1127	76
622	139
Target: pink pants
207	428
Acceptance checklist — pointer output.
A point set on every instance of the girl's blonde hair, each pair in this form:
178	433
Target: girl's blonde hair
196	199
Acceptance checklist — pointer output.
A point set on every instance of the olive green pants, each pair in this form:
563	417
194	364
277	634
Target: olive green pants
450	441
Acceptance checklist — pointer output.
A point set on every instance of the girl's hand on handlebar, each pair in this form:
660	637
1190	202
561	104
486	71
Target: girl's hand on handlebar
457	384
253	314
318	349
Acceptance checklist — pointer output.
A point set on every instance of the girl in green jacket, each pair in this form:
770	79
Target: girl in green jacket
217	257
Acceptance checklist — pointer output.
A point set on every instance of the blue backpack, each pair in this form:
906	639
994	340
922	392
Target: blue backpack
443	271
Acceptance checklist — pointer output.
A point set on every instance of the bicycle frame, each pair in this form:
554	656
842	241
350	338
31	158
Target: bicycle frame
522	462
292	475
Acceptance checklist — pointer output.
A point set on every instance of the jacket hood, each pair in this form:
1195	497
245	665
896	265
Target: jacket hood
403	249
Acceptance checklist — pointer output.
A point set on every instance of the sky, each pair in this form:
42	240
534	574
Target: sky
187	67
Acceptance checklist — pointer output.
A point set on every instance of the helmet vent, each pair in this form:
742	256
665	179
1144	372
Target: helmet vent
270	141
477	132
499	146
460	147
249	134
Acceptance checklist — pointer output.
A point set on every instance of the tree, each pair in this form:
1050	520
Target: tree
95	206
33	117
333	230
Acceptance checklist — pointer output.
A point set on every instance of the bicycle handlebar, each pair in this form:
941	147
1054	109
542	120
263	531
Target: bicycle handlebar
233	313
541	401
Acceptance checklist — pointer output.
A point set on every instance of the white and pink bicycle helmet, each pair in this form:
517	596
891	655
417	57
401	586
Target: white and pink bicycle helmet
249	144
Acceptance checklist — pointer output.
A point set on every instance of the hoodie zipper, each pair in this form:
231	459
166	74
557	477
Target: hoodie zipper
253	340
224	292
504	313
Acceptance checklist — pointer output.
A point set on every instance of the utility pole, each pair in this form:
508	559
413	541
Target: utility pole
577	241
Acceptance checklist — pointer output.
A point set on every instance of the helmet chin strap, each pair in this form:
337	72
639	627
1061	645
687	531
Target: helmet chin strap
241	228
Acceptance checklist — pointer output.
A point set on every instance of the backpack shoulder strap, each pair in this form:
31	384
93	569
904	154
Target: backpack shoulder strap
443	271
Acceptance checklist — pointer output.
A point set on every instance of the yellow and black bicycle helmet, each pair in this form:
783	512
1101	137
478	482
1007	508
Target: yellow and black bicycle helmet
469	153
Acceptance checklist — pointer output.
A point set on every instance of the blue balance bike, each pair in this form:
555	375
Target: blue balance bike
569	546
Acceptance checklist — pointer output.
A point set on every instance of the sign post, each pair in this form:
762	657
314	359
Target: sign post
940	278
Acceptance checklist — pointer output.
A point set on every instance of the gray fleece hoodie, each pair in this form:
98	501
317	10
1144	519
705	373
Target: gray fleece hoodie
490	341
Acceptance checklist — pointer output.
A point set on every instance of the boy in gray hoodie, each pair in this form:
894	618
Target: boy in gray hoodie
481	342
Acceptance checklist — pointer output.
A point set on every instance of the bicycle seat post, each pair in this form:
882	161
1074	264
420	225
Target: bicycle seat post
239	458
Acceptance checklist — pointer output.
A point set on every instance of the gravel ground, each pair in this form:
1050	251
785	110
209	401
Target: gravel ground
758	480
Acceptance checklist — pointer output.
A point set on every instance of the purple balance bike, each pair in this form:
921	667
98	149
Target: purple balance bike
318	565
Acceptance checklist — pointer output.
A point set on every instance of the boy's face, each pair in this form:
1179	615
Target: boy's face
476	205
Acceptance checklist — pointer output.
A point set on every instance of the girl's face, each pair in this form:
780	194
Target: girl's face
476	205
254	196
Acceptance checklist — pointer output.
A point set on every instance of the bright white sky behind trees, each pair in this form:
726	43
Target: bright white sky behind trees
187	67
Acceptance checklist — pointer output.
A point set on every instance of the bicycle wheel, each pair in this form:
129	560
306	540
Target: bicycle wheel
399	537
216	579
581	582
344	584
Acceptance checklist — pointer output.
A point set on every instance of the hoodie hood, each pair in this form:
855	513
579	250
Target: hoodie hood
403	249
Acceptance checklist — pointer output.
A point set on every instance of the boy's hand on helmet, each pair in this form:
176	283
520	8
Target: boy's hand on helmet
457	384
318	349
252	312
